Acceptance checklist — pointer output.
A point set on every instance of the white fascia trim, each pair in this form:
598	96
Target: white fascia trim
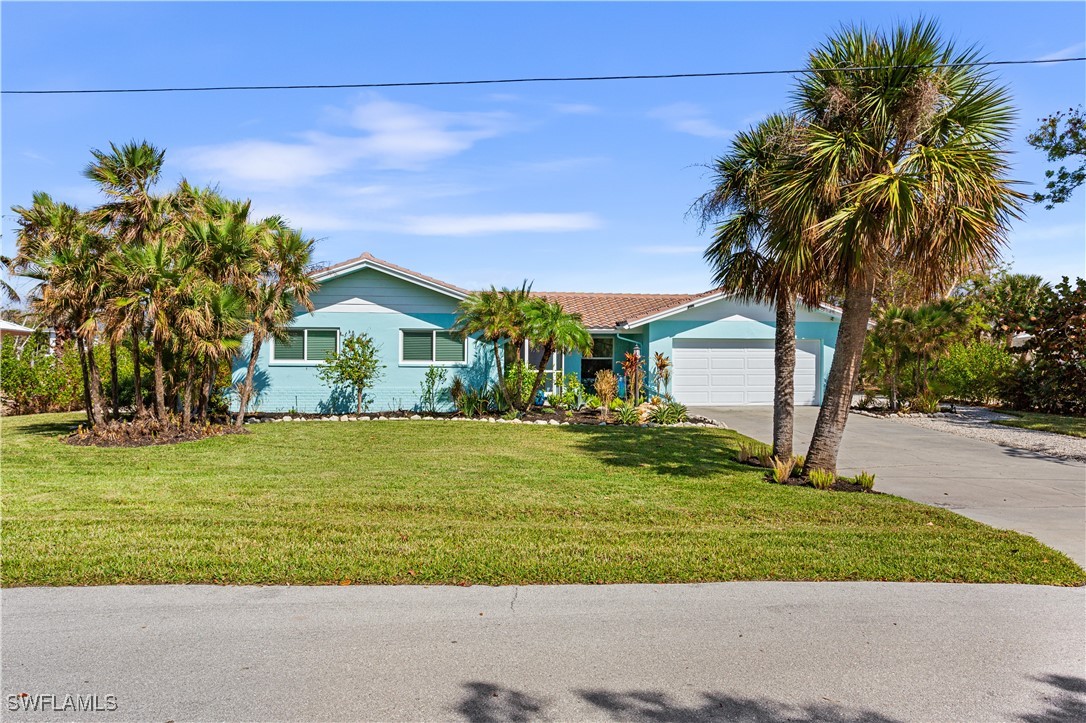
676	309
366	263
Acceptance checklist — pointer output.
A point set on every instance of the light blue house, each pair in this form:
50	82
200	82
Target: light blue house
721	348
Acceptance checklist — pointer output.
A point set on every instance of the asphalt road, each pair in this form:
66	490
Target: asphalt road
1000	486
728	651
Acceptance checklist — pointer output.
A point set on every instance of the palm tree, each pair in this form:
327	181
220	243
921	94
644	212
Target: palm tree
742	253
905	142
125	174
550	328
64	251
497	316
284	283
158	273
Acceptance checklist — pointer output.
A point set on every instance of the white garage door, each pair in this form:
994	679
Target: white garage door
738	371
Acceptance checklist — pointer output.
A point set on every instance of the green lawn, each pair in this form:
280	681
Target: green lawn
458	503
1074	426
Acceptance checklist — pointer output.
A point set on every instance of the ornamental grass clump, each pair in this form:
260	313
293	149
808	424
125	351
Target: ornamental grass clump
628	414
782	469
865	480
821	479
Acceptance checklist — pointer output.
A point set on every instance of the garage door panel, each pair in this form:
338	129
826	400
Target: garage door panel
737	371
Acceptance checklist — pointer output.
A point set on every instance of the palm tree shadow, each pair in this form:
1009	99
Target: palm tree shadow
52	429
489	702
683	451
1067	706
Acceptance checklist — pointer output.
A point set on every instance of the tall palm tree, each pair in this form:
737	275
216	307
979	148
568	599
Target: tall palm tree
65	252
125	174
283	283
743	256
905	142
551	329
159	272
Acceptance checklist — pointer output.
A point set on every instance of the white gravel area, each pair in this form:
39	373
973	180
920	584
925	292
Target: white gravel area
977	423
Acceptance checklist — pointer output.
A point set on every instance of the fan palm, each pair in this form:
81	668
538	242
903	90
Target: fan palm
551	329
743	256
64	252
905	142
125	174
283	255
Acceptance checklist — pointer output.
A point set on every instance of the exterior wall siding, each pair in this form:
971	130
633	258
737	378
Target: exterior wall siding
380	305
729	319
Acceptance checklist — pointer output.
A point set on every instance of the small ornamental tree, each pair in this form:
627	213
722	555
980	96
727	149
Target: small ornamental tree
355	365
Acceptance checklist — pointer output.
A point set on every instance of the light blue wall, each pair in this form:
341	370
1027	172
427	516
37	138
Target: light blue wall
380	305
729	319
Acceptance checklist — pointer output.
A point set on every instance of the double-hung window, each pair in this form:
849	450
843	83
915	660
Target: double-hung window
305	346
431	346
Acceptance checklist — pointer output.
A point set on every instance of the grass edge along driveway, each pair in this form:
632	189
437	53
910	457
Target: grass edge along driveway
1055	423
463	503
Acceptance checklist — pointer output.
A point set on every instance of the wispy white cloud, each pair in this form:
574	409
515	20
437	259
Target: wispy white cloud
386	135
689	118
498	223
1070	51
662	250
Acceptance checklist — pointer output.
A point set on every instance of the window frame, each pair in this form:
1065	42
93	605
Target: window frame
610	356
433	350
304	361
556	368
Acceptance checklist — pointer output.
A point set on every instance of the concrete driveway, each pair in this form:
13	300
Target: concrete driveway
753	652
1001	486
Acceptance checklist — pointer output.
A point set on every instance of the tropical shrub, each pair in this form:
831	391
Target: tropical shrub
34	380
474	402
456	390
628	414
635	376
1054	379
668	413
925	403
592	402
607	389
799	459
821	479
430	392
616	403
355	365
662	368
976	372
519	383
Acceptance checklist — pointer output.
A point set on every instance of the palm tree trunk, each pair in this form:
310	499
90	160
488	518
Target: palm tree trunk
847	354
137	373
784	370
97	404
160	381
186	395
114	391
89	408
539	372
501	374
247	387
205	391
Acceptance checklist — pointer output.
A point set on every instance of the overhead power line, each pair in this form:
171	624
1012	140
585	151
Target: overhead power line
497	81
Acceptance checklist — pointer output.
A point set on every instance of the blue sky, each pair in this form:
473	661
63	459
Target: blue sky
577	186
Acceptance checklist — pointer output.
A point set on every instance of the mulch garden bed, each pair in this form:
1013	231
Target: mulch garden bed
145	433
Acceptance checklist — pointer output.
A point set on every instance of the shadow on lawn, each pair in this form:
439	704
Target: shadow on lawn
686	451
50	429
